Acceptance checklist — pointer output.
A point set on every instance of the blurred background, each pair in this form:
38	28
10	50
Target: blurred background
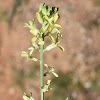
78	67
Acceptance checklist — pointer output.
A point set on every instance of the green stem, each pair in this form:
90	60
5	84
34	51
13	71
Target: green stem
42	68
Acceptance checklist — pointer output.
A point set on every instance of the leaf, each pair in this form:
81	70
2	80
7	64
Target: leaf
39	17
51	46
61	48
57	26
52	39
46	87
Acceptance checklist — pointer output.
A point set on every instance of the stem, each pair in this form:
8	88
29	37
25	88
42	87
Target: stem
42	68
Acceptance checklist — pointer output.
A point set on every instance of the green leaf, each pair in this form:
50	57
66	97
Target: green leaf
33	39
51	46
57	26
46	87
39	17
61	48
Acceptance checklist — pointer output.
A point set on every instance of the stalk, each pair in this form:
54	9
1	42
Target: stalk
42	68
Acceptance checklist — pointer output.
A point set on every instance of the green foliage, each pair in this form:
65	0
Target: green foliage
32	72
62	86
18	77
96	3
1	73
3	15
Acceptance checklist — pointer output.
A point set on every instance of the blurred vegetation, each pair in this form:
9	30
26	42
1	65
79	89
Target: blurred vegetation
1	73
65	87
3	15
96	3
20	76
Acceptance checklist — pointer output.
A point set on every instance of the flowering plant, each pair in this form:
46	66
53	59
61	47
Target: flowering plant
47	17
